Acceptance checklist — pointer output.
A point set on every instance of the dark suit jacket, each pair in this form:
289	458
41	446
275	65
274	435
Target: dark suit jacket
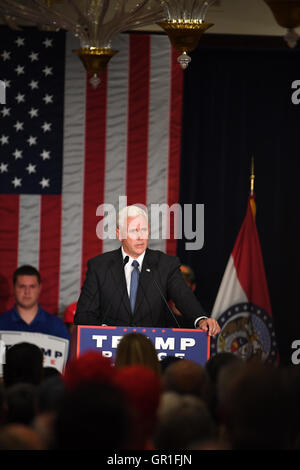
104	297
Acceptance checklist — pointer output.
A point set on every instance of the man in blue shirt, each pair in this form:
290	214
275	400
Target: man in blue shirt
27	315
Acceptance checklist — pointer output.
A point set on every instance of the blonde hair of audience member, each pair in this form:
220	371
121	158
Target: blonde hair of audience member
136	348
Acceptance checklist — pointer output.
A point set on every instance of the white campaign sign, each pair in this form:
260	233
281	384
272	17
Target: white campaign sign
55	349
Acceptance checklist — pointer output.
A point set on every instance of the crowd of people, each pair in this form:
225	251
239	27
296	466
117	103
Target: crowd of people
140	403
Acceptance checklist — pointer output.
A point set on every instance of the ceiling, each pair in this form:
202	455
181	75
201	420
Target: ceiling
249	17
239	17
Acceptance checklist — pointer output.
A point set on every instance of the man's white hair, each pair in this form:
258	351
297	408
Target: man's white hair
130	211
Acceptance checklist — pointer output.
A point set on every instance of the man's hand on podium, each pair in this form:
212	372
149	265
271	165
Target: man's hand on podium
210	325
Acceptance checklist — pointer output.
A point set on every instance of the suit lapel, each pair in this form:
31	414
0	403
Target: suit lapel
145	281
120	281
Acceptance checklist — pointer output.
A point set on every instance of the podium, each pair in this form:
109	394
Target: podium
192	344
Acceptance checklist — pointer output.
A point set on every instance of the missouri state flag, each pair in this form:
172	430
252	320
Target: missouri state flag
242	306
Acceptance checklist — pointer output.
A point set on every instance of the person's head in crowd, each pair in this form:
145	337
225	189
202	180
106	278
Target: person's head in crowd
27	287
182	420
90	367
214	367
255	410
291	381
190	279
19	437
186	377
23	363
142	387
91	416
20	404
136	348
217	362
50	371
189	276
49	395
167	361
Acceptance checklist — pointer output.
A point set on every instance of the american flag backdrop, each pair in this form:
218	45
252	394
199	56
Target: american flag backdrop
66	148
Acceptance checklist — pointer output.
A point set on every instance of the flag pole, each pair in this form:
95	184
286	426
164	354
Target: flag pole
252	177
251	199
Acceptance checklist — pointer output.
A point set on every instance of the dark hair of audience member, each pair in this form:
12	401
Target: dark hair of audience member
20	404
213	367
183	419
134	349
167	361
92	416
26	270
23	363
255	409
186	377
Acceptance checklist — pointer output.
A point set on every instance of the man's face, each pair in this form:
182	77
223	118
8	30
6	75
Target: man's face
27	291
134	236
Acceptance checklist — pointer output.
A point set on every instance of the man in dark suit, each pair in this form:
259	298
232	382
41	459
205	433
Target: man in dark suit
130	286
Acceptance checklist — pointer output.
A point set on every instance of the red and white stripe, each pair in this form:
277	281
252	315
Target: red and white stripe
121	139
244	279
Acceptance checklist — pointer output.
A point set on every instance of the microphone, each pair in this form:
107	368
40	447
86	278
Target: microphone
125	261
148	270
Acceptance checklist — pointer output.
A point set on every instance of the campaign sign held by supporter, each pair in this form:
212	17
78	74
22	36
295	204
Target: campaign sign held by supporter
55	349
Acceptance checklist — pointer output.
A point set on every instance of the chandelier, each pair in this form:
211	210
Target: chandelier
184	24
287	15
94	22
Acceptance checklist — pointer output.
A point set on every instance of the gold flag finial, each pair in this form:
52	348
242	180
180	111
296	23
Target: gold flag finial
252	177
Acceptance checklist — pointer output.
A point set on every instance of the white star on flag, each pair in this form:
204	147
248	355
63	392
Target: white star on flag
31	140
33	112
44	183
20	98
5	55
19	126
17	182
17	154
3	167
4	139
20	69
46	126
45	155
47	70
31	168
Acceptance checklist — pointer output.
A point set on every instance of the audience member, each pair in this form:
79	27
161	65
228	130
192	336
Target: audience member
183	419
23	363
255	409
167	361
213	367
136	348
217	362
20	404
90	367
49	395
27	315
190	279
92	416
186	377
142	387
19	437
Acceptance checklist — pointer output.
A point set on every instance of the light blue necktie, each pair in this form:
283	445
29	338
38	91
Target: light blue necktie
134	283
